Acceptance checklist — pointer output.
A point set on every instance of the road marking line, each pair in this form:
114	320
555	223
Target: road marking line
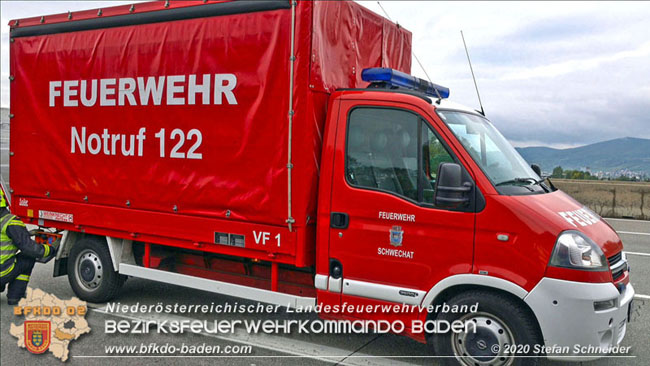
633	233
631	220
642	297
637	253
279	344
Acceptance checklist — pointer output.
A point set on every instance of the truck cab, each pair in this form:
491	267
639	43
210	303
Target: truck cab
423	202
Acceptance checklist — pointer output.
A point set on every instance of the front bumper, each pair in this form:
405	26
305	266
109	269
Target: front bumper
570	325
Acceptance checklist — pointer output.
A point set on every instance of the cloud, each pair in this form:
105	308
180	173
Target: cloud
570	66
555	74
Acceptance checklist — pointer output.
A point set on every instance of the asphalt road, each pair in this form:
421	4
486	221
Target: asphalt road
284	349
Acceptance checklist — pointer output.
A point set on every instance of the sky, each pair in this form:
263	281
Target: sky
559	74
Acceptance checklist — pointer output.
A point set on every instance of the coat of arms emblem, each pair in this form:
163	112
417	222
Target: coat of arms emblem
396	236
37	336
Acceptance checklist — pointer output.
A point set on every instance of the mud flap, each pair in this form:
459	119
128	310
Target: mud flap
60	267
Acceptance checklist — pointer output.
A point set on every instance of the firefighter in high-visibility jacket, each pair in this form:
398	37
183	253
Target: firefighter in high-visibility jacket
16	267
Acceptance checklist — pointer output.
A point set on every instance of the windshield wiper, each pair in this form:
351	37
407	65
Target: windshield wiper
531	181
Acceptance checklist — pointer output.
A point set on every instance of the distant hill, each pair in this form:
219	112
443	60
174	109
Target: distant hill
607	156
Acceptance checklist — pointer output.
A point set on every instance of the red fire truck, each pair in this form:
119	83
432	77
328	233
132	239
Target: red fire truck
280	151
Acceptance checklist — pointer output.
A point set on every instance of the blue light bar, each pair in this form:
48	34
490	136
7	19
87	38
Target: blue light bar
394	78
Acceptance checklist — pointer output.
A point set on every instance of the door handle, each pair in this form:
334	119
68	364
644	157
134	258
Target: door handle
339	220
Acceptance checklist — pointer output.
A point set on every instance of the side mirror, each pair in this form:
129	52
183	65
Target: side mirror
536	169
450	191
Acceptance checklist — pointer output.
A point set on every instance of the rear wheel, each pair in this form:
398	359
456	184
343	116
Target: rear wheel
91	273
501	324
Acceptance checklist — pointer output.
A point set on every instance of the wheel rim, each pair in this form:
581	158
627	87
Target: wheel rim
89	270
486	346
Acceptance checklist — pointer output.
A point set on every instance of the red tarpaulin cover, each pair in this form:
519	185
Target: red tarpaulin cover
243	131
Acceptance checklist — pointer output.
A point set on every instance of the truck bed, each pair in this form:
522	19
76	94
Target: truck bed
171	124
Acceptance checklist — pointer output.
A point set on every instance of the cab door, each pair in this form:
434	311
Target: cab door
389	242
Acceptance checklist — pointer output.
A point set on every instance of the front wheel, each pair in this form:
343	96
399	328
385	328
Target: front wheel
505	333
90	271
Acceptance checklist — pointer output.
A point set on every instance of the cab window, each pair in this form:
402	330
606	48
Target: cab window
434	153
394	151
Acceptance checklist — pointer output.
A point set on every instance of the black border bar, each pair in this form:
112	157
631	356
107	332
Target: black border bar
158	16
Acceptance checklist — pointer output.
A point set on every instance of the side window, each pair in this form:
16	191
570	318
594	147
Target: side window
382	150
433	154
393	150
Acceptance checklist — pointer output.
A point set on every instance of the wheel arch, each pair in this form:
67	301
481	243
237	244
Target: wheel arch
71	238
454	285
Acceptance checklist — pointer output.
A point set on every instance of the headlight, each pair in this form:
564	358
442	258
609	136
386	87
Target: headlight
574	249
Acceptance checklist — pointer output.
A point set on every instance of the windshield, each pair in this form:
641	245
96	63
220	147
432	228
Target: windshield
489	149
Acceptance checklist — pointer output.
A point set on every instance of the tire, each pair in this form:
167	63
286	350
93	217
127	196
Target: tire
499	320
90	271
